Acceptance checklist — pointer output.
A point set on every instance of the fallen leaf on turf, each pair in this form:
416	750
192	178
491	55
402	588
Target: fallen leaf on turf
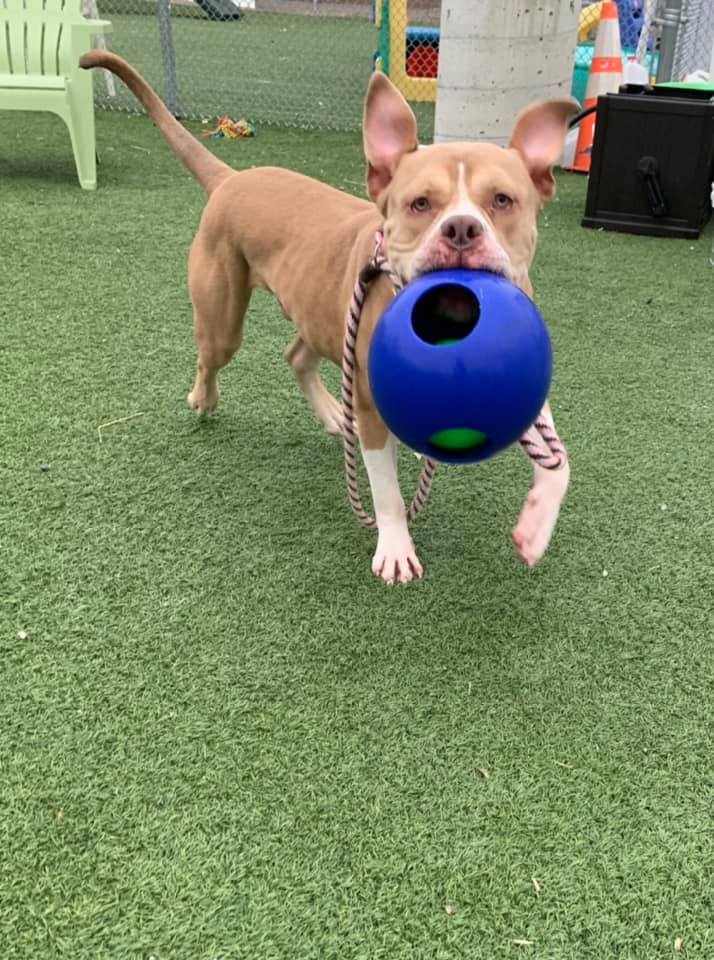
536	886
484	773
450	909
565	766
678	944
523	943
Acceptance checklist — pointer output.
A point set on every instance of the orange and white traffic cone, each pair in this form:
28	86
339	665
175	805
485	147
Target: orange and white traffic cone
605	77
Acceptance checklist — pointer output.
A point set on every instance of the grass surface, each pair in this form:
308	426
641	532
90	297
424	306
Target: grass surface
221	737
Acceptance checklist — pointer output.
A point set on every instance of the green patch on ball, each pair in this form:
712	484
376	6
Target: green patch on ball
458	439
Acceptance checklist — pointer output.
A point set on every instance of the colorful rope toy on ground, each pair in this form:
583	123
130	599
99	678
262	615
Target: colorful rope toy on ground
231	130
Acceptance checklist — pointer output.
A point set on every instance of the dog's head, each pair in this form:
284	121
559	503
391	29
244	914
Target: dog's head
471	205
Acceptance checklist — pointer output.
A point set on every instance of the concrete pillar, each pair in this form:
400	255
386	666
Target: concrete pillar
496	57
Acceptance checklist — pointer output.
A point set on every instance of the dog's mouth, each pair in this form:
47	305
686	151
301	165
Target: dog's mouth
499	269
463	261
490	258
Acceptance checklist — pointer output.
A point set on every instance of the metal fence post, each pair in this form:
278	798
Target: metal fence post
670	21
168	56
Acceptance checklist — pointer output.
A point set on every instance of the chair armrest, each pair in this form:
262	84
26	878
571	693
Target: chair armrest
94	26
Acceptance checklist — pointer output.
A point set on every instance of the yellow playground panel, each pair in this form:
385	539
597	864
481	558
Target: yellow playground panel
588	21
407	54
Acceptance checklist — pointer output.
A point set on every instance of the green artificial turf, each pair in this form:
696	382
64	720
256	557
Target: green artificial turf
220	737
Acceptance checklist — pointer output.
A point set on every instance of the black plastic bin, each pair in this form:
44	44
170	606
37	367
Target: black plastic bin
652	162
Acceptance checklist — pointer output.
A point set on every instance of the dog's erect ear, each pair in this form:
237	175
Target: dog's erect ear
539	137
389	131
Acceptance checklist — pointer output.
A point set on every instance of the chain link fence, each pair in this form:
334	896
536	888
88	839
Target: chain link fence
305	63
691	42
300	63
694	49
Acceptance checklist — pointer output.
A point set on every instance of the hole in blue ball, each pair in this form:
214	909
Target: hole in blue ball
445	314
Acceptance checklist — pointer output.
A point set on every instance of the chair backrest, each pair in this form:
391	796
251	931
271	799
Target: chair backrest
35	36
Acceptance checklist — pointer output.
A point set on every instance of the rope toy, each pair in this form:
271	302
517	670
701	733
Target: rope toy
541	442
230	130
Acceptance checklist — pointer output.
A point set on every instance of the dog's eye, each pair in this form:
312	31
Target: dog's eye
420	205
502	201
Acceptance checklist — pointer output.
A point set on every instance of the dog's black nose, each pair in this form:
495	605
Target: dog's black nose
461	232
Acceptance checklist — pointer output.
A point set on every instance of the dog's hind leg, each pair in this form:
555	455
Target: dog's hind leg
220	293
306	364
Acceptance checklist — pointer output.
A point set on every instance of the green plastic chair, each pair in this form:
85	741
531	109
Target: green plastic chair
41	42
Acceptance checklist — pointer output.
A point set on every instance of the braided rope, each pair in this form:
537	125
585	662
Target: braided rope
378	264
541	442
543	445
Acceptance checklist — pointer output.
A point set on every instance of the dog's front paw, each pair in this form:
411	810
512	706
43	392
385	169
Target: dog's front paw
203	398
539	516
395	559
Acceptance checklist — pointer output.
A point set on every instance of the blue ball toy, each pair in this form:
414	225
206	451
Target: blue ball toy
460	365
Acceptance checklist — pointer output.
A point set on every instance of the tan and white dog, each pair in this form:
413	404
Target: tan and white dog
451	205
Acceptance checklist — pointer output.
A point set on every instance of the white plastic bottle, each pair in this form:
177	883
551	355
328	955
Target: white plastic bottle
636	72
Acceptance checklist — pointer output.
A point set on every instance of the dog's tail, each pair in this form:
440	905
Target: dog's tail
207	169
